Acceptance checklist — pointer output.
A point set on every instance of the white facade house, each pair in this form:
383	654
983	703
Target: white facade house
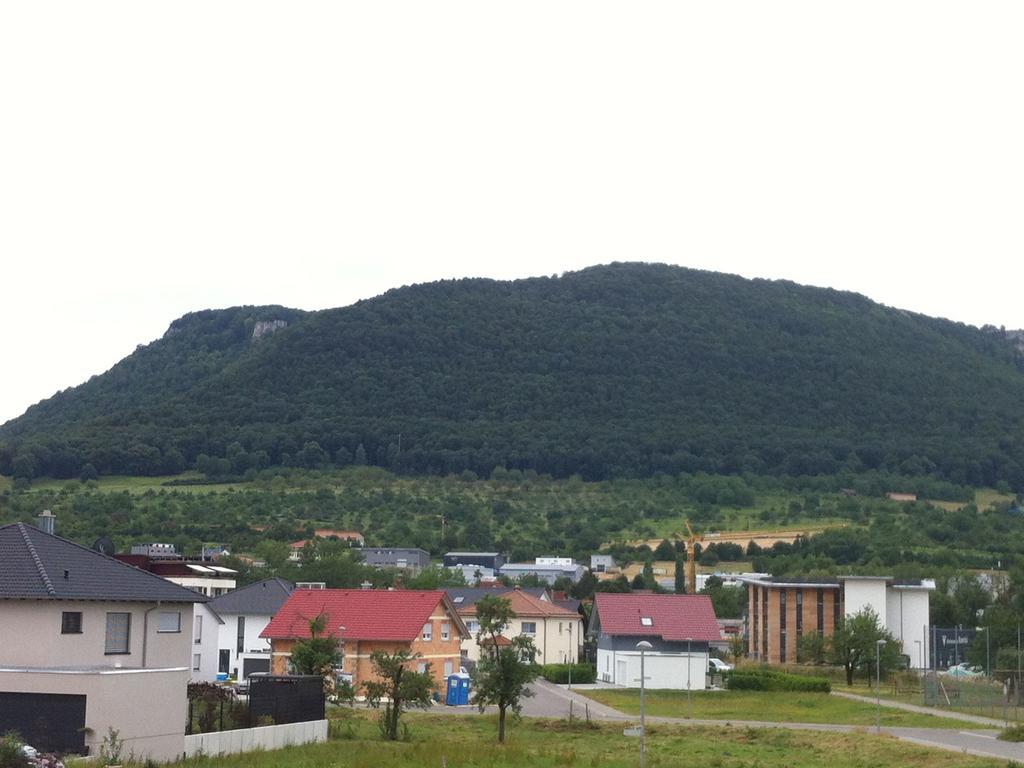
244	614
205	632
88	643
677	628
557	632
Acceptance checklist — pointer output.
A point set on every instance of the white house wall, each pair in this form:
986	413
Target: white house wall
907	617
228	639
859	594
204	644
663	670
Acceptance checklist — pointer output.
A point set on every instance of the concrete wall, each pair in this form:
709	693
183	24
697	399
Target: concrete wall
250	739
148	707
663	670
859	594
907	617
228	638
30	635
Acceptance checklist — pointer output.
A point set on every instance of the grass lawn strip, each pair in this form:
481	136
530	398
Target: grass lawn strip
470	742
776	707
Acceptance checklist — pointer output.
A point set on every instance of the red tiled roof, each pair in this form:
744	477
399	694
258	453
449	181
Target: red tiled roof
359	614
673	617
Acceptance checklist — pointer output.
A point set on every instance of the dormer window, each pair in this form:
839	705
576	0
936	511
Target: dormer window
646	621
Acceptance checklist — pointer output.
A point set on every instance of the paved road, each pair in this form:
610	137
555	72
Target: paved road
554	701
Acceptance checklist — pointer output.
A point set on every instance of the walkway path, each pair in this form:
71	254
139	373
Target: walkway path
553	701
946	713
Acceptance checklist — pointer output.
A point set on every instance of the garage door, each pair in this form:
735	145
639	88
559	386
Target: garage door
255	665
50	722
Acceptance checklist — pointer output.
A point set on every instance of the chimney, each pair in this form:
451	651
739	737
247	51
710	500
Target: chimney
47	521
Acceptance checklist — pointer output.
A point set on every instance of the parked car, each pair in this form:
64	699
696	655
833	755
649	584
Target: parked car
964	669
717	666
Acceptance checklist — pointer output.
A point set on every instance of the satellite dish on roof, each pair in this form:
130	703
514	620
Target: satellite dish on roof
104	545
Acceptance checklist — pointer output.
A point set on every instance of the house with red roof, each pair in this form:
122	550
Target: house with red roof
679	628
364	621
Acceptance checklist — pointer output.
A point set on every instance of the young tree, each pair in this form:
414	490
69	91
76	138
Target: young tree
853	644
318	655
810	648
504	672
737	648
665	551
398	687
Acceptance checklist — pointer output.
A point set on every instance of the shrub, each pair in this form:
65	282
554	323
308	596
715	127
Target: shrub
771	680
559	673
1013	733
10	752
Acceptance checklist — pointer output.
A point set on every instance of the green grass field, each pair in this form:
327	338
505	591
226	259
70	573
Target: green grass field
778	707
470	742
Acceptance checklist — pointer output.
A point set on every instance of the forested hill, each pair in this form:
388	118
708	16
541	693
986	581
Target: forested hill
627	369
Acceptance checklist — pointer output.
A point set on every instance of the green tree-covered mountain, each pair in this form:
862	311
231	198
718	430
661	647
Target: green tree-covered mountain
626	369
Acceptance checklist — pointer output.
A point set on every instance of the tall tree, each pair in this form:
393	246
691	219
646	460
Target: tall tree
398	687
854	644
318	655
504	672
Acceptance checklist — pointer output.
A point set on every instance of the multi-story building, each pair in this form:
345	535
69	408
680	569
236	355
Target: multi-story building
781	611
411	559
202	576
548	569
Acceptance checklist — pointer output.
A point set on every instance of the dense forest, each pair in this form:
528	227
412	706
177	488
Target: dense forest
626	370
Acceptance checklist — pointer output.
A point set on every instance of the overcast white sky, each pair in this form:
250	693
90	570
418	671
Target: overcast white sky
162	158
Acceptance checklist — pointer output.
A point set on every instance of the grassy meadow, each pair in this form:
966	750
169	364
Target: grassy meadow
776	707
469	741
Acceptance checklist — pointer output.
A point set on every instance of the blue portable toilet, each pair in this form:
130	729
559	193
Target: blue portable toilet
463	689
452	696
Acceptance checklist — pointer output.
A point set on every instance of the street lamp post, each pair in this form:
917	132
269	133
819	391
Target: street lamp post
689	671
643	646
571	654
920	656
878	685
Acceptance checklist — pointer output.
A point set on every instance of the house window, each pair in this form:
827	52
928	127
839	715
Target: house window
559	627
821	610
428	631
782	609
799	612
782	647
529	627
240	636
71	623
449	668
422	667
446	631
646	621
118	633
199	628
195	662
170	621
474	626
459	599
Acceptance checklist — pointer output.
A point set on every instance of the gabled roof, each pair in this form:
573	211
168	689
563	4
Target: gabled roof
672	617
463	597
35	565
361	614
264	598
526	605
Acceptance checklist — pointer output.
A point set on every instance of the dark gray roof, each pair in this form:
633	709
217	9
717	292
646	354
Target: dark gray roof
463	597
264	598
39	566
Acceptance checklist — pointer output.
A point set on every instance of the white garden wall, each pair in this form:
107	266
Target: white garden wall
250	739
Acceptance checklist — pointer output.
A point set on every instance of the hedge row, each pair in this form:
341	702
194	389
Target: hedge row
770	680
559	673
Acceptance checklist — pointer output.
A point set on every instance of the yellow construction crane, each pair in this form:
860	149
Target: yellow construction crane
691	560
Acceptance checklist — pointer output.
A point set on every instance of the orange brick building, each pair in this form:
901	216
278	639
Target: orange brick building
780	612
364	621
